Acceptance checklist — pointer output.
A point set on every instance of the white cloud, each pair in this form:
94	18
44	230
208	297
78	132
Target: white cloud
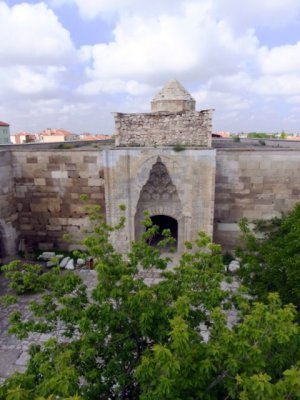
92	8
31	34
281	85
145	50
221	100
280	59
212	46
35	50
113	86
266	13
27	81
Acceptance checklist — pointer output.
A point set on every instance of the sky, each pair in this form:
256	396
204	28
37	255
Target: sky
71	63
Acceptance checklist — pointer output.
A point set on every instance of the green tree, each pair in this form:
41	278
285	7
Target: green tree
270	261
283	135
133	341
260	135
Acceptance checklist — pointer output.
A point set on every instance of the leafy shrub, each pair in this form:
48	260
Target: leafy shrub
65	146
270	261
23	277
138	341
178	147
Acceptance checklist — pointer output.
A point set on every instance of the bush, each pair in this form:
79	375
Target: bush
65	146
138	341
23	278
272	263
178	147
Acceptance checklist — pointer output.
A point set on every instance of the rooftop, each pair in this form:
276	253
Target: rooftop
173	97
3	123
173	90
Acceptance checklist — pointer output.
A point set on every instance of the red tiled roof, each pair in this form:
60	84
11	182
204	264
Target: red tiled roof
56	132
3	123
23	134
293	137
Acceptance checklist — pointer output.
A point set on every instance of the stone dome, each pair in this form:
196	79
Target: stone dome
173	97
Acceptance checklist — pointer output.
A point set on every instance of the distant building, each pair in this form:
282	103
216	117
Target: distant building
56	135
221	134
293	137
4	133
22	137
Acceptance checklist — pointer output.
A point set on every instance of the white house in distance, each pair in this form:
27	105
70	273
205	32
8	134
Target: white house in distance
56	135
4	133
22	137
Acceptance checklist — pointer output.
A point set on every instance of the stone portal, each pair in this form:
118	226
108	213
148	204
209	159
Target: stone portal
159	196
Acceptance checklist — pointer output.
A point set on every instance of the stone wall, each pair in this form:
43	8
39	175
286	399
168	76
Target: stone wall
8	214
164	129
48	188
40	191
192	175
257	184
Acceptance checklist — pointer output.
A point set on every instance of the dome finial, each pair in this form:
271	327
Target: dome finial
173	97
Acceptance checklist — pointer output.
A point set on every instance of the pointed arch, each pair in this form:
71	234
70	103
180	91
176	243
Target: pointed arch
159	196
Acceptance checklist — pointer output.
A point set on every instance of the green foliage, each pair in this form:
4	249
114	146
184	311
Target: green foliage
178	147
236	139
260	135
283	135
8	300
231	364
65	146
135	341
272	264
23	277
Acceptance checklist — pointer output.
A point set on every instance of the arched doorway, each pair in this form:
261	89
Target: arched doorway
164	222
159	197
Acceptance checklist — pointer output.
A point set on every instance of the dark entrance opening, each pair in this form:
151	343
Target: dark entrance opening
164	222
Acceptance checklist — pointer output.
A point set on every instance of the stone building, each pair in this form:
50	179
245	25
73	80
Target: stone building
172	121
164	162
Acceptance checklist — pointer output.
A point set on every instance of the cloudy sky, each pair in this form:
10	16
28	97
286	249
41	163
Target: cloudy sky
71	63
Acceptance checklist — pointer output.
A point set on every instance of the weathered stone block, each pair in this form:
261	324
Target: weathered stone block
54	227
95	182
40	181
59	174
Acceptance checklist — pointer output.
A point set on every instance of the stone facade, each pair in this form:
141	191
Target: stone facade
189	175
187	128
40	191
48	188
8	211
172	121
256	184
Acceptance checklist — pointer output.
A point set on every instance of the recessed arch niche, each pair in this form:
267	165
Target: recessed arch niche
159	196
